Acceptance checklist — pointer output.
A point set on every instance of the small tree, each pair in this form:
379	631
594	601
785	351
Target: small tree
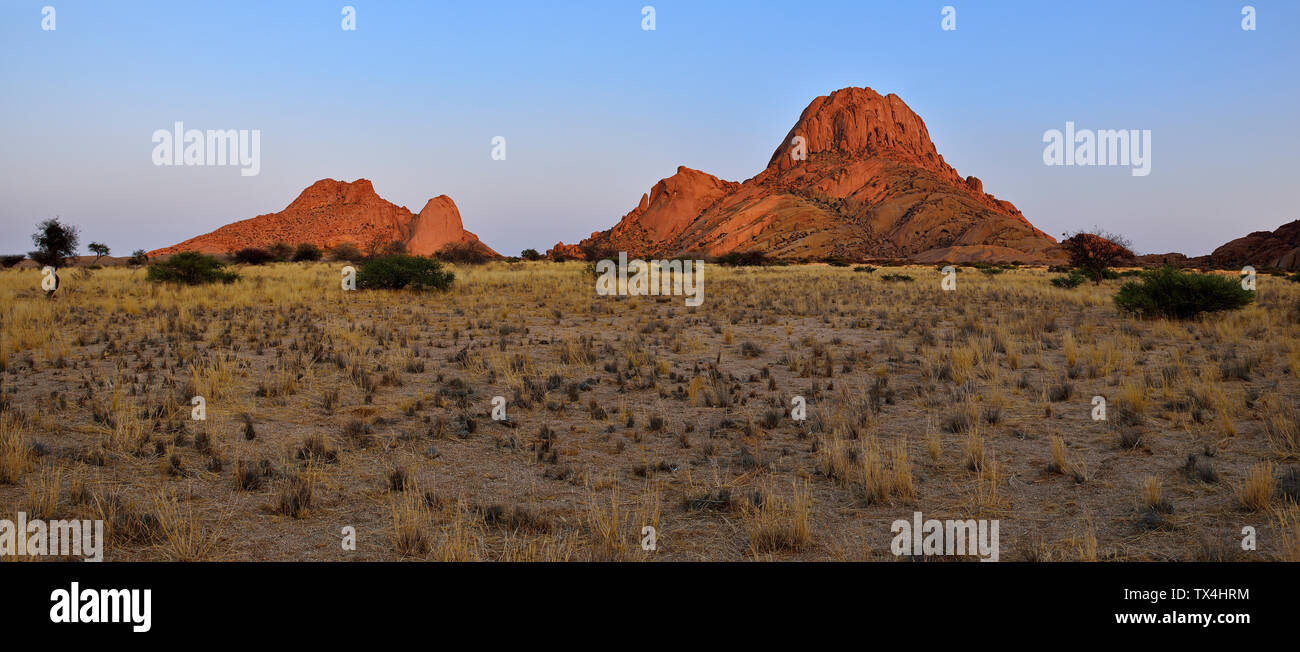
99	249
11	260
138	257
530	254
190	268
55	242
1096	251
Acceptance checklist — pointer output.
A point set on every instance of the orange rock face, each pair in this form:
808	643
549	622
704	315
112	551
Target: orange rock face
329	213
857	176
1280	248
439	225
567	251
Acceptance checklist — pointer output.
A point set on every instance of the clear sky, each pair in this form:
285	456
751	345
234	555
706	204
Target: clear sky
595	109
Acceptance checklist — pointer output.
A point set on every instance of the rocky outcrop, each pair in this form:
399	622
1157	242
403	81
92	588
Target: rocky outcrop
439	225
857	176
329	213
1172	259
1263	249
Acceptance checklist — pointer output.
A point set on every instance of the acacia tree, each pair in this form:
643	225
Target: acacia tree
99	249
1096	251
55	242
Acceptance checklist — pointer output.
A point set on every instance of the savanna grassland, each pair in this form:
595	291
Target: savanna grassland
372	409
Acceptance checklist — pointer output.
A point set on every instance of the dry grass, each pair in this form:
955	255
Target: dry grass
917	399
778	522
1256	491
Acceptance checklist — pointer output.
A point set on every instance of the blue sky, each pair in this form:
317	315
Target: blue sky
595	110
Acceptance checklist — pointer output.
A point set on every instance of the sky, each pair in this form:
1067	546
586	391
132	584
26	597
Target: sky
594	109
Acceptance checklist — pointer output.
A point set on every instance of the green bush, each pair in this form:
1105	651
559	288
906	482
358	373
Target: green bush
138	258
11	260
190	268
864	268
400	271
896	277
530	254
1169	292
306	252
1294	278
1069	281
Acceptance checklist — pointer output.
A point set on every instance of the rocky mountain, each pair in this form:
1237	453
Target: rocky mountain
329	213
857	176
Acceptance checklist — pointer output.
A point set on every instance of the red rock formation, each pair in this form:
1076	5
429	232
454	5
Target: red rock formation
1172	258
329	213
1263	249
870	185
567	251
439	225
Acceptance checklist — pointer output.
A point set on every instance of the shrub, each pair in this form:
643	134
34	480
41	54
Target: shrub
138	257
280	252
1069	281
346	251
896	277
400	271
530	254
835	261
743	259
11	260
190	268
306	252
864	268
1294	278
253	256
464	253
1169	292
